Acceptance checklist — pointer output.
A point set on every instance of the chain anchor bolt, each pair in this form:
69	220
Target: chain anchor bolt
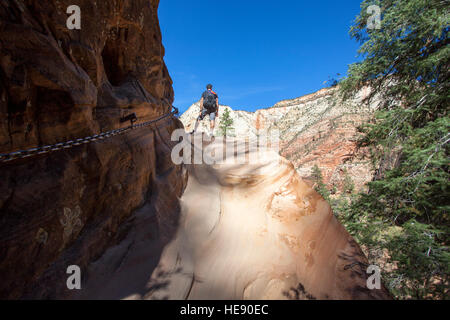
131	117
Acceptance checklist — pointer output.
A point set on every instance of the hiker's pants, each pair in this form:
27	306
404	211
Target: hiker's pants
212	114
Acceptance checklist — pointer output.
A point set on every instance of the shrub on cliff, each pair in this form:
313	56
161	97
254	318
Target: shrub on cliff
407	63
226	123
319	185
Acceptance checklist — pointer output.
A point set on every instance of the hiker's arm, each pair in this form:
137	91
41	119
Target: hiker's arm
217	104
201	104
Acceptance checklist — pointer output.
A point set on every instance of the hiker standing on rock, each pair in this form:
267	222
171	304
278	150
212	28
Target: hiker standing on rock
209	105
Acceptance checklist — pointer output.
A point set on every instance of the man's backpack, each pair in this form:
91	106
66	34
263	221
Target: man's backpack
209	101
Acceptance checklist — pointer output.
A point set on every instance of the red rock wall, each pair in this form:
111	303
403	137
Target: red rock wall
331	144
58	84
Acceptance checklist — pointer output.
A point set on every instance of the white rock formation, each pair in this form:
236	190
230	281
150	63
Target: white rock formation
289	116
316	129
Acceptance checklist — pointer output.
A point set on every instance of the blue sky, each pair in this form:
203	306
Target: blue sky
255	53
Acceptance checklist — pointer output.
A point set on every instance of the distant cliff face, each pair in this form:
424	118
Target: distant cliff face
57	84
316	129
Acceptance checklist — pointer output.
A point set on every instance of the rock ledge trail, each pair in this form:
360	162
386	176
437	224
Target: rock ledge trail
245	231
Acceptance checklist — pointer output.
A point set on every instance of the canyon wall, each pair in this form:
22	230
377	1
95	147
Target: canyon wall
67	207
316	129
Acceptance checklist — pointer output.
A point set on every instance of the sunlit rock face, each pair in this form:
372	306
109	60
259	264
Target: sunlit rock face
59	84
316	129
248	229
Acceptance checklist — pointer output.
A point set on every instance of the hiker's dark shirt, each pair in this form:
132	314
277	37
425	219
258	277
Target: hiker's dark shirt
206	92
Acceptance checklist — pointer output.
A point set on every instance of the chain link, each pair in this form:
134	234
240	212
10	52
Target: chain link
22	154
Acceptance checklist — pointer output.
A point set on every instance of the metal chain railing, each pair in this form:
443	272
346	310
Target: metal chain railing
21	154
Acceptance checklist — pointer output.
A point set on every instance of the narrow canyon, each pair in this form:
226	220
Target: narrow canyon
138	225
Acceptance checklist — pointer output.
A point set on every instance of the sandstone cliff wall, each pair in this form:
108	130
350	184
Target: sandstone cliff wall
57	84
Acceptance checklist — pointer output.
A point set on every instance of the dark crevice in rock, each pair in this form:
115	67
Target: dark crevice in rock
111	55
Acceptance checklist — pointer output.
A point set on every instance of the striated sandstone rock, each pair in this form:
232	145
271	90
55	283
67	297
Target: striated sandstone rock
246	231
58	84
316	129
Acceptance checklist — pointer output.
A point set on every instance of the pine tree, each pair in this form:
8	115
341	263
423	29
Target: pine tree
407	64
320	186
348	185
226	123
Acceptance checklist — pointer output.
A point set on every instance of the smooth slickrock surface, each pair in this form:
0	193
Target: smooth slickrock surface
58	84
250	230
